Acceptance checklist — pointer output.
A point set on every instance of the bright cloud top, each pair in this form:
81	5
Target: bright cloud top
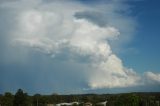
52	28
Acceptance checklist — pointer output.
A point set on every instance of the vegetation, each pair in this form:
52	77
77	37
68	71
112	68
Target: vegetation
125	99
20	98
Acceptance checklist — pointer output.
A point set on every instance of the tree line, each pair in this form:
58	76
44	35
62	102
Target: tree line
21	98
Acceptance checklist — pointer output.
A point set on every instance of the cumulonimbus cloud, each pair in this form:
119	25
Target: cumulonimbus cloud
52	28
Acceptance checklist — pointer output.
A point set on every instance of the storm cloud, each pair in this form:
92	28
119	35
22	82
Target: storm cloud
69	44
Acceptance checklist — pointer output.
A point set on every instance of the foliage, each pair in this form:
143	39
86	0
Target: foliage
127	99
20	98
7	99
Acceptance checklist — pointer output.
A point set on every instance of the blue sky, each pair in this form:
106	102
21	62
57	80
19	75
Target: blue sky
146	40
79	46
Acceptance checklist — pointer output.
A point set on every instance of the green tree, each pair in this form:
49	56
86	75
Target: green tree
36	99
20	98
7	99
127	99
1	96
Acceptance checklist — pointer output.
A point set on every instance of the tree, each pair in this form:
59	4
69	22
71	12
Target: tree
7	99
36	99
20	98
127	99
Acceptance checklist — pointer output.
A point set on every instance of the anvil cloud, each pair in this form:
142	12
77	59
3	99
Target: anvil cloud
79	32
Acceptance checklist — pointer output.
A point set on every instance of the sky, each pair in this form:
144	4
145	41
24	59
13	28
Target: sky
79	46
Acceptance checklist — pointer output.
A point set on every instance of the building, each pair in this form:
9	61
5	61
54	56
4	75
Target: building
88	104
102	103
50	104
67	104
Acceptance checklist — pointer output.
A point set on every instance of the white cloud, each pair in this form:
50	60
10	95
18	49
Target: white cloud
51	28
152	78
112	74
